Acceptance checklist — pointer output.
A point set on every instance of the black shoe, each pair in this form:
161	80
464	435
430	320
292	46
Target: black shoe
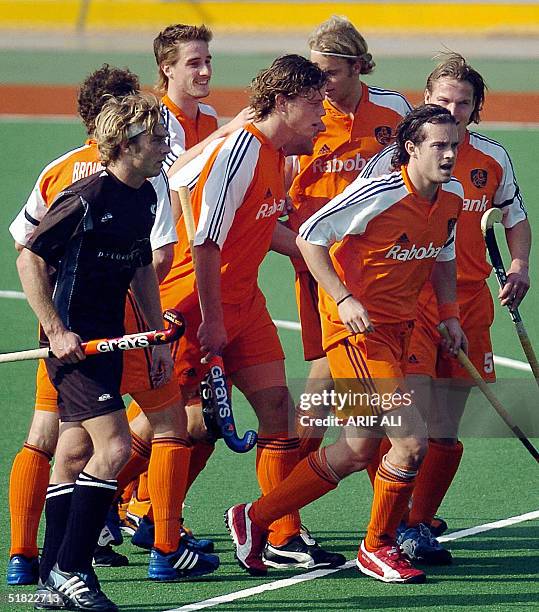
46	599
79	591
301	551
105	556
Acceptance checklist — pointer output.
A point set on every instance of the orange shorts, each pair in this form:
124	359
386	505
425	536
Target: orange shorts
46	394
371	367
309	316
137	367
136	373
252	340
476	316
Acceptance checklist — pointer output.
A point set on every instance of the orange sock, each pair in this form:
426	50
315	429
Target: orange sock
383	449
277	455
310	438
200	453
393	487
27	490
167	479
129	491
138	462
143	493
434	479
310	479
308	445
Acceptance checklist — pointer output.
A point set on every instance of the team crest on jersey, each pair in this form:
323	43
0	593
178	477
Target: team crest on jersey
479	177
451	226
383	134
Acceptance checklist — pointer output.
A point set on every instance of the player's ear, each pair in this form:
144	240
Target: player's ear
167	70
356	67
426	96
281	103
410	148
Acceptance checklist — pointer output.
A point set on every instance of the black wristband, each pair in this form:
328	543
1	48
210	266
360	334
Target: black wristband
344	298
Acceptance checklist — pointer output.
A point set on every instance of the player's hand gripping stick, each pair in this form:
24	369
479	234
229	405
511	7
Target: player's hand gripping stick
128	342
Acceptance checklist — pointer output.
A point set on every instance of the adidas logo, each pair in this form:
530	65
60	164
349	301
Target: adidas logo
404	238
324	150
268	194
106	217
413	359
104	397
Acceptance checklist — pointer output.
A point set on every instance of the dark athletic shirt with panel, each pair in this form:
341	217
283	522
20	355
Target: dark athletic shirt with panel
96	234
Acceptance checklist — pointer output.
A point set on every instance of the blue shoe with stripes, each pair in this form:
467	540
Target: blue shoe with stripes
182	563
22	570
144	537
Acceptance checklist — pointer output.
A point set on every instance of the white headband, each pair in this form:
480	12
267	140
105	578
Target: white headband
336	54
135	129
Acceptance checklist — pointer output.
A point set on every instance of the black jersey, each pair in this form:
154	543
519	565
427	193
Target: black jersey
96	234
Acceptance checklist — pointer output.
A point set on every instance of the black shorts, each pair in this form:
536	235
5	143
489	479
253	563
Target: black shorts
87	389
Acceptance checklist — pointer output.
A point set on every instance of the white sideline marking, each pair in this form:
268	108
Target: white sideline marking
295	326
456	535
512	363
14	295
299	578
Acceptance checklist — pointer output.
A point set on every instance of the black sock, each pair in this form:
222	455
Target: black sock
57	505
91	501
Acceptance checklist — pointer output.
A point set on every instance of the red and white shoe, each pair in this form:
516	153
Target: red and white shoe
388	564
249	539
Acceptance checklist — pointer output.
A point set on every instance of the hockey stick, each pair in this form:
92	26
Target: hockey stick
221	404
127	342
493	400
490	217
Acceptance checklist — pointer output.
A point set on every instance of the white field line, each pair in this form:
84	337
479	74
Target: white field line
299	578
13	295
295	326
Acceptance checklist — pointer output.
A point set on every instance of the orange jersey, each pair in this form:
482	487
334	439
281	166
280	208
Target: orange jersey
70	167
236	204
184	132
341	152
486	173
55	177
389	239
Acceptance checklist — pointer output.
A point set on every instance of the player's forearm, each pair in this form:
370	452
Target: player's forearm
321	267
444	281
519	239
283	241
146	291
34	274
162	261
207	259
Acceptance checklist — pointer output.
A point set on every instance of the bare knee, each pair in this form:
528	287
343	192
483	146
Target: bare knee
73	452
196	428
349	455
114	455
43	432
141	426
273	407
408	452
